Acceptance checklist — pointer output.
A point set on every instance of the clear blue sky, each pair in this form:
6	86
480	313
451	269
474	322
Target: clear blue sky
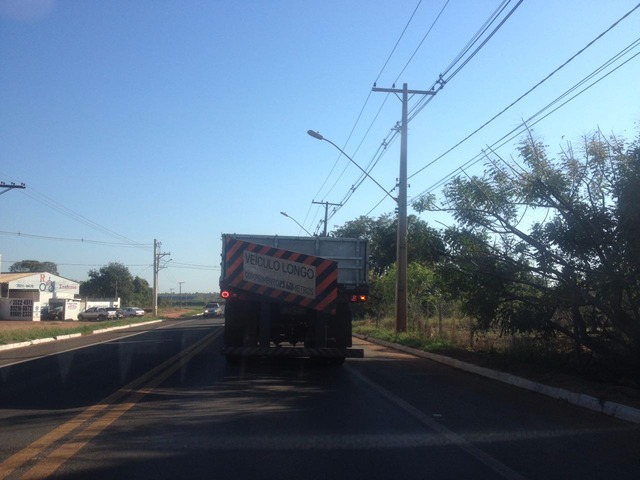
181	120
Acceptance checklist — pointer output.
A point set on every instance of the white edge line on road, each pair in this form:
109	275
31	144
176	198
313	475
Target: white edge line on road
494	464
606	407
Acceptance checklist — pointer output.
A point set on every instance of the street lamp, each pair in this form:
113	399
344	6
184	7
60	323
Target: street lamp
320	137
401	255
298	223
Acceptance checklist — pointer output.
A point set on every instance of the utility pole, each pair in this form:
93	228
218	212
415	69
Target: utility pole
401	259
326	213
180	294
156	268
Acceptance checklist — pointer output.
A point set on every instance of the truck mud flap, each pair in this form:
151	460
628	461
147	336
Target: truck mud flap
294	352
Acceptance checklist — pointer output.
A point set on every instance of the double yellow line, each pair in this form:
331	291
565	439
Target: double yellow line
88	424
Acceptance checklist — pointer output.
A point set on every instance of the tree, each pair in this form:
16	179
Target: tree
425	249
26	266
142	293
425	244
574	271
380	233
114	280
422	292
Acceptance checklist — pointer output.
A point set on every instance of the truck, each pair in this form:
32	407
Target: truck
291	296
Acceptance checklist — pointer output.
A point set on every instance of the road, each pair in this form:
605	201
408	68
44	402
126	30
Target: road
161	402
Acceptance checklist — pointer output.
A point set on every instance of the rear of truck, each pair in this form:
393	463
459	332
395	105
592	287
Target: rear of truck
291	296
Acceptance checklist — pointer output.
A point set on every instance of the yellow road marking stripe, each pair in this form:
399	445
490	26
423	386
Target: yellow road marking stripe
46	441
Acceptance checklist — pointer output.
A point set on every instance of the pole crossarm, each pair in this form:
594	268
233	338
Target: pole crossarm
326	212
10	186
400	90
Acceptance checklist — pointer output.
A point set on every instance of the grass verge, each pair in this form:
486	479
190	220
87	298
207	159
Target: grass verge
27	334
418	340
524	355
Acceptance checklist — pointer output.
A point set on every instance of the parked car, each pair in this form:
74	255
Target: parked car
56	313
97	313
119	313
212	309
133	312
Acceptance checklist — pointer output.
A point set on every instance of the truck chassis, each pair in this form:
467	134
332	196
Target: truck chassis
259	328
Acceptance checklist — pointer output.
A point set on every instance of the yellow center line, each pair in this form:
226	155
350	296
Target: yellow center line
53	461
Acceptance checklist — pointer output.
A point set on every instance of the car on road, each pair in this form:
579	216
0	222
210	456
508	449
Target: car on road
133	312
97	313
212	309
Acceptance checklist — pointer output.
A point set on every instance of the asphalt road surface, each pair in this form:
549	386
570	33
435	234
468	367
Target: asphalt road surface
161	402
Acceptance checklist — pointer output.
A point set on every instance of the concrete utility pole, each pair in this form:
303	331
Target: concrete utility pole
156	268
401	259
326	213
180	294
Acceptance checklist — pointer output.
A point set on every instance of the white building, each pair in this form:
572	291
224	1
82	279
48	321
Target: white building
22	295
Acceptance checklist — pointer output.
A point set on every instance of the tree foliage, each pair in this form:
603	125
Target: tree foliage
573	270
114	280
422	291
424	246
425	249
27	266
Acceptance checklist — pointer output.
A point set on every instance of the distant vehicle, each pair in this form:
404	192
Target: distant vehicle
98	313
212	309
133	312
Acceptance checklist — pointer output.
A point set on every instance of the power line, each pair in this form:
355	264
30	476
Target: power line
440	82
433	24
58	207
361	178
86	264
398	41
556	70
77	240
492	19
443	79
528	123
191	266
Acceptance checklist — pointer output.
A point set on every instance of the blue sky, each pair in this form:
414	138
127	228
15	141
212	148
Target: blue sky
130	121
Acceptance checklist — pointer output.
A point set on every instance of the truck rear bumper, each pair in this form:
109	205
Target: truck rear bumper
294	352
